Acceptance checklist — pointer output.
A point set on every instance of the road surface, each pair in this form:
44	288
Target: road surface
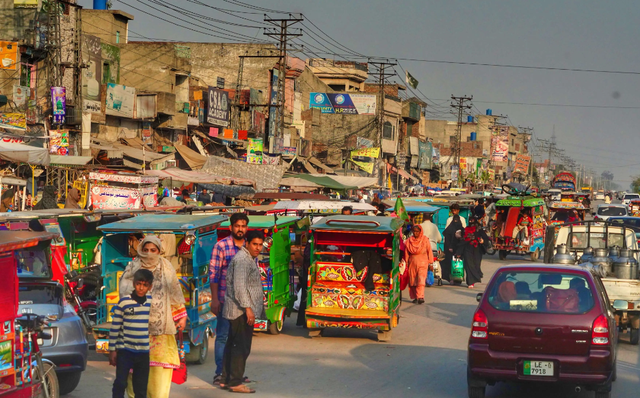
426	358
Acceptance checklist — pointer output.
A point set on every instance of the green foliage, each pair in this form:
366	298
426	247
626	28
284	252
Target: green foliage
635	184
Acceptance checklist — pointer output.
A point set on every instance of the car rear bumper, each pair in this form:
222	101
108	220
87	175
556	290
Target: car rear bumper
489	365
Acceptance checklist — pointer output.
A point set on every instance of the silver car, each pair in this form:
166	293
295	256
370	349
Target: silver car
67	348
605	211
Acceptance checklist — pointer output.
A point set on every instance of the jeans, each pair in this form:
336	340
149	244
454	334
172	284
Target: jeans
222	334
237	351
139	362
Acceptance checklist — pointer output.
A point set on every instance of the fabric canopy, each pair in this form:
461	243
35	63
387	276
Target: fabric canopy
266	176
21	153
199	177
193	158
338	182
407	175
323	166
70	160
321	205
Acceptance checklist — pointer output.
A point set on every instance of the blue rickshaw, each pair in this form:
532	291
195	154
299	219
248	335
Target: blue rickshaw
195	237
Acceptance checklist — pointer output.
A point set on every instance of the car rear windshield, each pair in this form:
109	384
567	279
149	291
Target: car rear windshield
35	262
633	196
612	211
541	292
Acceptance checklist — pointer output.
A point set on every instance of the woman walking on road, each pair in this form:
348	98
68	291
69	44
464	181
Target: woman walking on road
473	245
166	316
454	224
419	257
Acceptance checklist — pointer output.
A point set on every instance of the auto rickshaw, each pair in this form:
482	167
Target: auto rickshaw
275	265
515	213
195	237
562	212
20	372
344	291
634	208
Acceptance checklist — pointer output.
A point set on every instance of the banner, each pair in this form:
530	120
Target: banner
218	111
345	104
59	142
13	121
59	104
463	164
91	75
254	151
362	142
454	173
20	95
426	155
500	145
522	164
8	55
492	174
25	3
266	159
120	100
108	197
273	109
366	152
368	167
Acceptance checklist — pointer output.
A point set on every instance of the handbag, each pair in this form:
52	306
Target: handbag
179	375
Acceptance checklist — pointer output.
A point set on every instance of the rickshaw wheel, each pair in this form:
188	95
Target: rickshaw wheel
535	255
275	327
502	255
198	353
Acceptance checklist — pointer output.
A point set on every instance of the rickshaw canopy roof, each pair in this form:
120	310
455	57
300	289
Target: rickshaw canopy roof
28	215
358	223
321	205
417	207
517	202
15	240
163	222
264	221
567	205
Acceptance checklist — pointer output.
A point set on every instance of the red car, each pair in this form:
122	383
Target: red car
545	324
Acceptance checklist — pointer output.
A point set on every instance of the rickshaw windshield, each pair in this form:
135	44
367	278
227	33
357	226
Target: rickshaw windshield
597	240
34	262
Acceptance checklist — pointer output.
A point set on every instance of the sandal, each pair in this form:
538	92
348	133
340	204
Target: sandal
216	380
242	388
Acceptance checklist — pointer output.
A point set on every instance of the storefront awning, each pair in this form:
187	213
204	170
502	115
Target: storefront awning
337	182
193	158
323	166
21	153
199	177
59	160
407	175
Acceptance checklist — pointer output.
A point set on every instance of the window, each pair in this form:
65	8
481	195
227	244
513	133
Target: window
612	211
106	73
34	262
387	131
542	292
117	36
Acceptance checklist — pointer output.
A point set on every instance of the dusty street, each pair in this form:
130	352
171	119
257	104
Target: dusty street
426	358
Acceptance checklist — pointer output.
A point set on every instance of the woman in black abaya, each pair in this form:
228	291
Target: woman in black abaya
471	248
451	243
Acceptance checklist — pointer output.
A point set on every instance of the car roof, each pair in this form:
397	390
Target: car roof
612	205
358	223
163	222
542	267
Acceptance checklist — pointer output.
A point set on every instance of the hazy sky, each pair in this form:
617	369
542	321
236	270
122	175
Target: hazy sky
585	34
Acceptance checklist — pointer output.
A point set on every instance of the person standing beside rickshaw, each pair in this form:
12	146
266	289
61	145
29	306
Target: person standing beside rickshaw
472	246
419	258
431	231
221	256
455	223
521	230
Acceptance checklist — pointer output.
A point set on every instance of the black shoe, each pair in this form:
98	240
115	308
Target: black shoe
420	301
415	301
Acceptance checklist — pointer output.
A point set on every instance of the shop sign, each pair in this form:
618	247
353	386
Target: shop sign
21	95
108	197
8	55
59	104
218	112
522	164
13	121
59	142
366	152
344	104
120	100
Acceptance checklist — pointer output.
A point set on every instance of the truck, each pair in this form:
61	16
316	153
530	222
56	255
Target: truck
565	181
623	294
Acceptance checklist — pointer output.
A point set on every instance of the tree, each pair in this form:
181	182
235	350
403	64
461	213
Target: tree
635	185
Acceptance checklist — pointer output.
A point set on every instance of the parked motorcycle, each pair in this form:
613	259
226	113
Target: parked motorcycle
83	298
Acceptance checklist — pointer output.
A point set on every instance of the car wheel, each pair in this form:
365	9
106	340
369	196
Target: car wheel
198	353
68	382
477	392
503	254
634	335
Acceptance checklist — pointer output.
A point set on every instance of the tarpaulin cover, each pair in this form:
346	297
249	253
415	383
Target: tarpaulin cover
193	158
21	153
199	177
338	182
321	205
266	176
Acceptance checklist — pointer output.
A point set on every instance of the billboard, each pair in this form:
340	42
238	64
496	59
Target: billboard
522	164
25	3
13	121
110	197
345	104
254	151
92	74
500	145
120	100
425	160
8	55
218	111
59	104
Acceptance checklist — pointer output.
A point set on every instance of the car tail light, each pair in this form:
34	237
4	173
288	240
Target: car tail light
480	325
600	331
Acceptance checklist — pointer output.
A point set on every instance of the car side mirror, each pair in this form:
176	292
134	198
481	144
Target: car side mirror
479	297
620	305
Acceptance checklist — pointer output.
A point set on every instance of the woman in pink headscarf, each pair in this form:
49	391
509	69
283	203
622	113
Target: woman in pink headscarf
419	257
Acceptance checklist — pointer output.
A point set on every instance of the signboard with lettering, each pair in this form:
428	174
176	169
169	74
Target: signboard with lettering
218	112
120	100
345	104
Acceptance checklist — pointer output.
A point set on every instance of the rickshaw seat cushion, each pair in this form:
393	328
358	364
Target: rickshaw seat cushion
512	221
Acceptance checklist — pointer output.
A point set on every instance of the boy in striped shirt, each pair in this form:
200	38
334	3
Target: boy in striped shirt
129	337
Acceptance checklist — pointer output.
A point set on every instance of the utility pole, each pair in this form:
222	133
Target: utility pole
460	103
235	110
382	76
281	32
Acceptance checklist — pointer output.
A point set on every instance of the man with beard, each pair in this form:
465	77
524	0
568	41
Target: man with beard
223	253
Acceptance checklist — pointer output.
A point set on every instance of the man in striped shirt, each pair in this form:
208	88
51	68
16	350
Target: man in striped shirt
129	337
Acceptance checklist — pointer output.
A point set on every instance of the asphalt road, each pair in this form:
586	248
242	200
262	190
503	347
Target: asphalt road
426	358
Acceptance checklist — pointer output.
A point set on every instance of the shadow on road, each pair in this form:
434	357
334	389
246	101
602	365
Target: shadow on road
455	314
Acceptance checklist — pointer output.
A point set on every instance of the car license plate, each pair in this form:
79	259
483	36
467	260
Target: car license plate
538	368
